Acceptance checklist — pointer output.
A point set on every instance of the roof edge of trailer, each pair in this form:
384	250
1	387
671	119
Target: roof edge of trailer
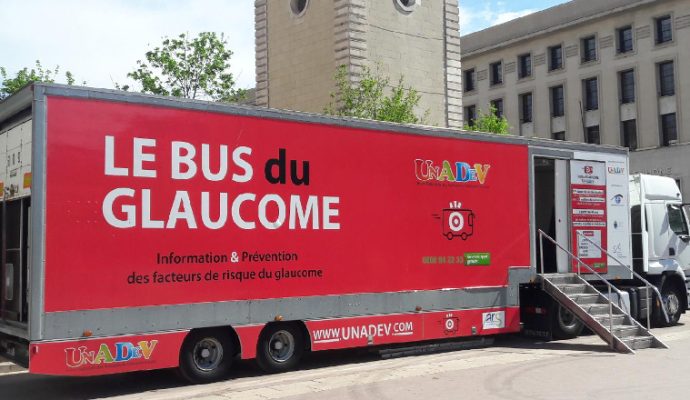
16	103
297	116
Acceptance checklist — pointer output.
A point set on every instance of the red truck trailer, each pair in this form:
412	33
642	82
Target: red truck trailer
141	232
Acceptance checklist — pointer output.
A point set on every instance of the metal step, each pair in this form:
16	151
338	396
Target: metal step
626	331
598	313
639	342
573	288
586	298
616	320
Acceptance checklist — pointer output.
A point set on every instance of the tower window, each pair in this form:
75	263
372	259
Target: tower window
406	5
298	6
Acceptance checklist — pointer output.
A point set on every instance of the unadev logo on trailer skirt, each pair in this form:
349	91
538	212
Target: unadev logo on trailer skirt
120	353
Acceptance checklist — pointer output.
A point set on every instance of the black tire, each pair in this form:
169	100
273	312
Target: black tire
280	348
672	299
206	356
564	325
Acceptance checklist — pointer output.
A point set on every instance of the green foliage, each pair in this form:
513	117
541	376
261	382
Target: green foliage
368	98
490	123
189	67
25	75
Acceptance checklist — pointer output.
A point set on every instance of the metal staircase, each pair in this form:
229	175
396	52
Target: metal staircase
610	322
598	312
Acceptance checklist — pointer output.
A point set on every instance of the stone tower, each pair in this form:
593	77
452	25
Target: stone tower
300	44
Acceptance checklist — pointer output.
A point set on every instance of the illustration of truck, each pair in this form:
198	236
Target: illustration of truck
147	232
458	222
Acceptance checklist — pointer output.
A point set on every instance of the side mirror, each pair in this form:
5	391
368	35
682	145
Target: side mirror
685	238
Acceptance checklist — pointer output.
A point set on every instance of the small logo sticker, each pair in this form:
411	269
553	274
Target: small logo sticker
494	320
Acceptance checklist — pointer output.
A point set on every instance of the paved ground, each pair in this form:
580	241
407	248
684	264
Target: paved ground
514	368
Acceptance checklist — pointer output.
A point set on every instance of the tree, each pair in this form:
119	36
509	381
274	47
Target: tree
189	67
368	99
9	85
489	122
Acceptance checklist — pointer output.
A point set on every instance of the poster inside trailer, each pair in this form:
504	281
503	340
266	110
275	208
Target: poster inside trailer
588	207
147	205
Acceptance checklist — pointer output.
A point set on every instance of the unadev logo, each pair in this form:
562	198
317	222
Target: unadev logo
122	352
459	172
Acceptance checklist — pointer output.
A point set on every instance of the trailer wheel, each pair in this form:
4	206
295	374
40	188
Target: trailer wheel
206	356
671	301
564	324
280	348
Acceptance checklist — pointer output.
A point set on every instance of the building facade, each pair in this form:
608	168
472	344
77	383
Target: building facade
611	72
301	43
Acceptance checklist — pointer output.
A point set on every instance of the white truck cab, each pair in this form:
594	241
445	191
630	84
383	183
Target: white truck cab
661	240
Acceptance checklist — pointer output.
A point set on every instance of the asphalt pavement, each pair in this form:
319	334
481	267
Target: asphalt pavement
513	368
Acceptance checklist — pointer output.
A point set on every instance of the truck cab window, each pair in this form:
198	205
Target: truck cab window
676	220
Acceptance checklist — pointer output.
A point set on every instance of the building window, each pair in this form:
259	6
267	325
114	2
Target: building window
526	107
470	116
629	134
627	79
469	80
664	29
666	79
589	49
592	135
625	39
497	105
591	88
524	66
668	129
558	135
496	73
555	57
557	102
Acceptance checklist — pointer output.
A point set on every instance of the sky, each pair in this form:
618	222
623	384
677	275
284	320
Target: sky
100	41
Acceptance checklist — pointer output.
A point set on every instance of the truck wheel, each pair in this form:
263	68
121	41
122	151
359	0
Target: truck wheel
206	356
280	348
671	301
564	324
